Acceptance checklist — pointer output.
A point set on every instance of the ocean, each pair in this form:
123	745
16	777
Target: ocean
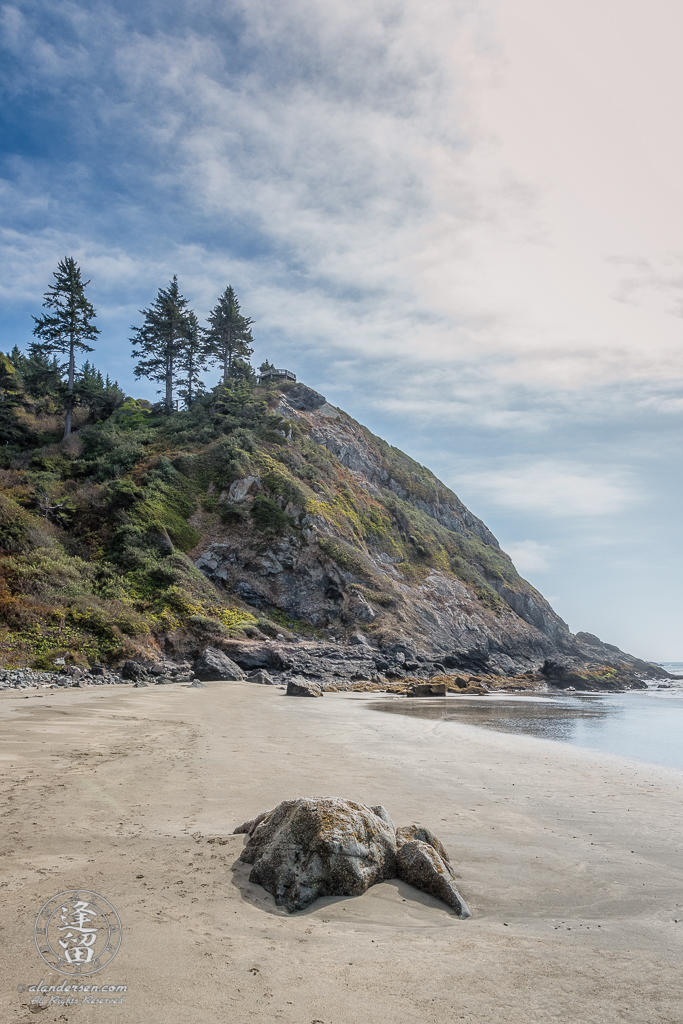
646	725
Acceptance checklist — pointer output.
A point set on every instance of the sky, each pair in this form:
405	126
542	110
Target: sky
460	220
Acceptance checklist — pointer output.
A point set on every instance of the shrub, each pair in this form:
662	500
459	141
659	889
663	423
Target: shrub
230	515
349	558
15	525
205	624
267	626
268	516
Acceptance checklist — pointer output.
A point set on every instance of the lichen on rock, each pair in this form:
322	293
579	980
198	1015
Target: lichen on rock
307	848
328	847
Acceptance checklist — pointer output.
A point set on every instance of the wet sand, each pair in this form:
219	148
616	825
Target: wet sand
571	862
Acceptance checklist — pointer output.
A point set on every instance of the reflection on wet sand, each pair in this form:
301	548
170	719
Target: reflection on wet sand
636	725
547	719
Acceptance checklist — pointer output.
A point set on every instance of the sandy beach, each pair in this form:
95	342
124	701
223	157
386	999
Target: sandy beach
571	863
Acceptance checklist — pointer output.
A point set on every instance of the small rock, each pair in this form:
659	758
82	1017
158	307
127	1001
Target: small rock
427	690
297	686
196	685
138	683
420	864
260	675
358	640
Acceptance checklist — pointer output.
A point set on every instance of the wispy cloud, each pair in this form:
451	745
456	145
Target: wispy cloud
529	556
555	489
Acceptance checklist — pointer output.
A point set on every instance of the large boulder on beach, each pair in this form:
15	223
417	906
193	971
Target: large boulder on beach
422	861
327	847
212	664
297	686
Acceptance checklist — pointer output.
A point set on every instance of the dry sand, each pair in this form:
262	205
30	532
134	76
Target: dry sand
570	861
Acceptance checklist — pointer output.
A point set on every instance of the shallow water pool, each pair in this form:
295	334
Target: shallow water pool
645	725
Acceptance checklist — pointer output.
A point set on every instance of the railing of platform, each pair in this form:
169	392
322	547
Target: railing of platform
287	374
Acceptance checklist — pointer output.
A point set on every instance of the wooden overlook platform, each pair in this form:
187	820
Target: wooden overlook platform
274	374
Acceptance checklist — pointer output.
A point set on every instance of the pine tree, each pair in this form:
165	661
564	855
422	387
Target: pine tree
70	325
12	395
41	377
158	342
191	361
102	396
228	338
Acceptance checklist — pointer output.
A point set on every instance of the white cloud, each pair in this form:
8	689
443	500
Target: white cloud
377	155
554	489
529	556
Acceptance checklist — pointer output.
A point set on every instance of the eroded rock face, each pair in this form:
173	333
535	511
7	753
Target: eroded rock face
212	664
328	847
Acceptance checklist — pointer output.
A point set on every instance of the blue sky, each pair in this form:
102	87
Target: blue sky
460	221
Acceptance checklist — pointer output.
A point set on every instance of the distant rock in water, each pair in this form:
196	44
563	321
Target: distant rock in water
308	848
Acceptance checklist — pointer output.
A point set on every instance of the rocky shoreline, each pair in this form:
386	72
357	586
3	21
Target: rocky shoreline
357	665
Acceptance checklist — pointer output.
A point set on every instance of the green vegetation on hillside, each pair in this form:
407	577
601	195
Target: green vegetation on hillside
97	528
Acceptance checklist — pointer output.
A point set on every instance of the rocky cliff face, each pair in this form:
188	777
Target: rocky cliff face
259	511
374	542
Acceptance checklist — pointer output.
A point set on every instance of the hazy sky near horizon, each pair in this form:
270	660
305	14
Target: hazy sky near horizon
458	219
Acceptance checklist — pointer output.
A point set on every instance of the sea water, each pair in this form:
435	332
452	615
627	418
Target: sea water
646	725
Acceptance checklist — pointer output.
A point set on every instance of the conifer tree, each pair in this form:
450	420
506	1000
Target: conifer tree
158	342
69	327
10	383
191	361
229	336
102	396
40	376
12	395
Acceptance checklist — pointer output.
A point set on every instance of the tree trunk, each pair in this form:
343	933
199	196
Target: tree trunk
70	391
168	402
